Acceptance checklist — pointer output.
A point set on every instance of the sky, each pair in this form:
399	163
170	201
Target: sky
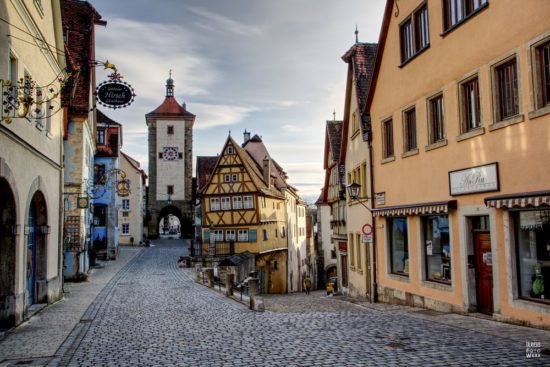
272	67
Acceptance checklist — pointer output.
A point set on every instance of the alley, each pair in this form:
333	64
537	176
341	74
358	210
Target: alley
152	313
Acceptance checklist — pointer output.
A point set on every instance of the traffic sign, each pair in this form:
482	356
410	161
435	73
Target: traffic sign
366	229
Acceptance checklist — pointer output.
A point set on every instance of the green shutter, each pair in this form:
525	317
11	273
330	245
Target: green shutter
206	237
252	235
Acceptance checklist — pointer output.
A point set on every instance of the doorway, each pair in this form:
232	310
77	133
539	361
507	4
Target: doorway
483	264
31	256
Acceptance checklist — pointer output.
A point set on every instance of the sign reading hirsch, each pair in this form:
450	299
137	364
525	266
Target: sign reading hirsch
115	94
474	179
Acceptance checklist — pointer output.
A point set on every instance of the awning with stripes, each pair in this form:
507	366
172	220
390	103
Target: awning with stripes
520	200
438	207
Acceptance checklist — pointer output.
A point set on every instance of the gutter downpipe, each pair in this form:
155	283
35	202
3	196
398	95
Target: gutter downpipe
374	268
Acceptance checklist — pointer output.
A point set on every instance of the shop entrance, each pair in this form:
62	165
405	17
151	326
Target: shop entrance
483	261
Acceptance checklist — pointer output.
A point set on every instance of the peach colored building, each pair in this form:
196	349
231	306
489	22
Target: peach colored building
460	116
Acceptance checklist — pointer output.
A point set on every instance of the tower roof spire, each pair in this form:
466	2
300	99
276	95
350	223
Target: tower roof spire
356	34
170	85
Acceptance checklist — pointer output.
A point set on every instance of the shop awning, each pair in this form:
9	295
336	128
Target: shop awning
438	207
520	200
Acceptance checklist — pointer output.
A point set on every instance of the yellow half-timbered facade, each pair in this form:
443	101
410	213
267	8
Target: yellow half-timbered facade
244	210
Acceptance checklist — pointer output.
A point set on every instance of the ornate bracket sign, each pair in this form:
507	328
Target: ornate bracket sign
115	93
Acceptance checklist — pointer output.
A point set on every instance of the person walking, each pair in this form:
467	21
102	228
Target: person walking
307	284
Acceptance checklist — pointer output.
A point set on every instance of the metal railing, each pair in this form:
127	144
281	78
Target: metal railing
212	249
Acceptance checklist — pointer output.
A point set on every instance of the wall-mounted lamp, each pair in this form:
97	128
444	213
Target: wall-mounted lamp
353	191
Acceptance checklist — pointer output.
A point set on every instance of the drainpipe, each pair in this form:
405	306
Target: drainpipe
374	297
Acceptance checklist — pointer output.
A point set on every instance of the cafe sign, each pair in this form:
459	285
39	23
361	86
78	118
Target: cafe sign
115	94
473	180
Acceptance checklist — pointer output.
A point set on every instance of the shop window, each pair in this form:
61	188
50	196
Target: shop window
469	105
100	215
533	254
506	93
399	245
437	249
457	11
409	131
436	124
387	139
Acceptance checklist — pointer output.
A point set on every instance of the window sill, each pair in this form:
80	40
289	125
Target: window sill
410	153
539	112
470	134
434	284
507	122
437	144
399	277
414	56
387	160
455	26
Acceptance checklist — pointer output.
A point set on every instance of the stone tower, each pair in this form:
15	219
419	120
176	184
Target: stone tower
170	128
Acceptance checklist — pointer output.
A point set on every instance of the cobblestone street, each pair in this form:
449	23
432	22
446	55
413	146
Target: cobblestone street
153	314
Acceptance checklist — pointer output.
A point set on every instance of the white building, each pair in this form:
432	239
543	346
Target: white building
131	207
31	157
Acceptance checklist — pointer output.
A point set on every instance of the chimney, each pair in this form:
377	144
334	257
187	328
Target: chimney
267	171
246	136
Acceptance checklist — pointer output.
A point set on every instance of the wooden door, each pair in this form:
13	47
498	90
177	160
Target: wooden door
484	271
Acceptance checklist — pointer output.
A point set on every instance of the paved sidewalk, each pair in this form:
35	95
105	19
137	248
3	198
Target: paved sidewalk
43	334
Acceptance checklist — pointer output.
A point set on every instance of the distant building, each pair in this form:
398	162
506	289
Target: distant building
326	257
170	189
106	181
244	209
131	207
31	157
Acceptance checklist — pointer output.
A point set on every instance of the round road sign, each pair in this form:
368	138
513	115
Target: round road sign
366	229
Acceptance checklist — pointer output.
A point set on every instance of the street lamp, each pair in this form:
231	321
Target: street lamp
353	191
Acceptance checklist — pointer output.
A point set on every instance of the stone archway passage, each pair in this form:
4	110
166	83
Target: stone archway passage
8	230
164	214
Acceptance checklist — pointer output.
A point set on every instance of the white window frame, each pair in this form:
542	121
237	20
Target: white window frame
237	202
127	231
234	177
242	235
214	203
225	203
230	235
218	235
227	177
248	202
126	204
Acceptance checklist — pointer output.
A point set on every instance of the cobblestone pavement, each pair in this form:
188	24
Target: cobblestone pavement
153	314
38	338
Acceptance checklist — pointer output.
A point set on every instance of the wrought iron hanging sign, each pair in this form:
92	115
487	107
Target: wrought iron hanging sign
115	93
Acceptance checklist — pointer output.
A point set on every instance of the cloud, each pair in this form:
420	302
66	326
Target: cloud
212	115
224	23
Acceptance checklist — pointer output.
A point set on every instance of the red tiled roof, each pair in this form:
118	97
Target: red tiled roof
205	168
258	151
363	56
170	107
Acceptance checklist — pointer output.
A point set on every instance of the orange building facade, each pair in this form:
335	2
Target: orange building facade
460	120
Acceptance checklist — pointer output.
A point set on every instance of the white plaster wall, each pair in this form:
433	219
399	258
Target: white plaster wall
170	172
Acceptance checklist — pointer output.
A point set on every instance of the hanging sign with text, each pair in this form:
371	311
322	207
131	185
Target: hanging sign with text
475	179
115	94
